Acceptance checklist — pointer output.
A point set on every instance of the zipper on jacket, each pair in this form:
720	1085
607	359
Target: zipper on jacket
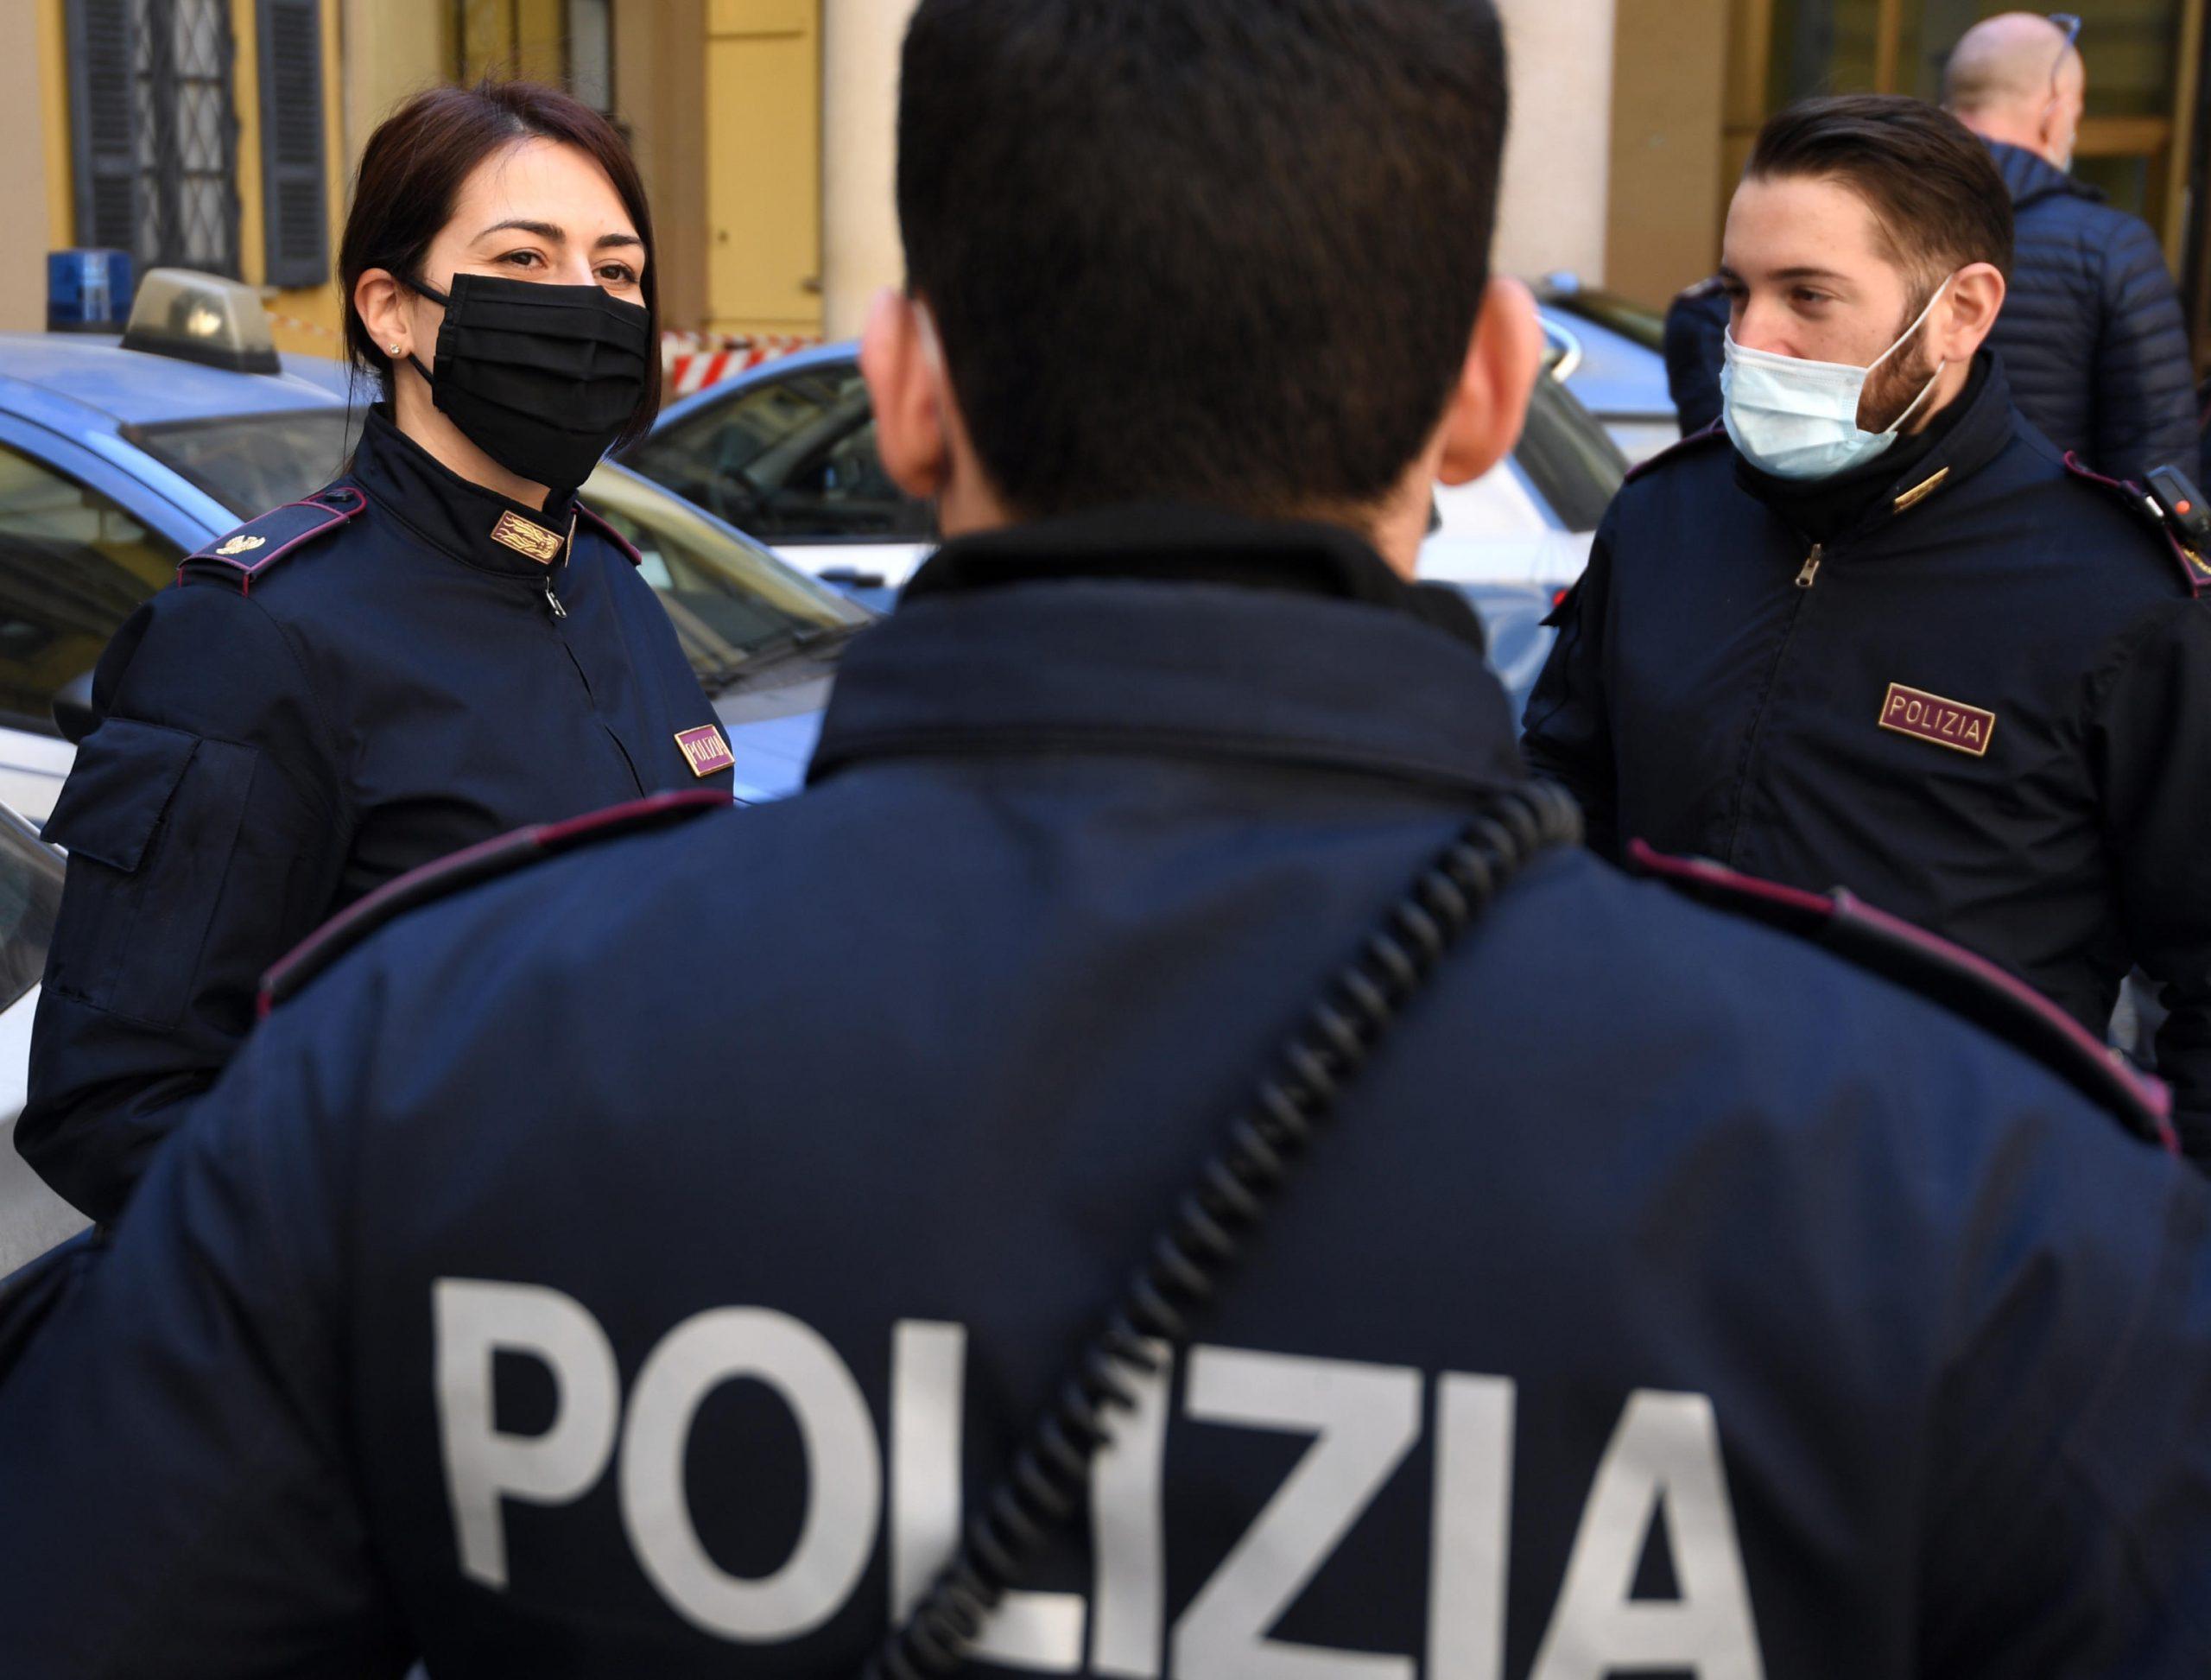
583	679
1805	578
567	553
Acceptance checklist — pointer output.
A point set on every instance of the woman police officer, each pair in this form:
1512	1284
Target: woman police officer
442	646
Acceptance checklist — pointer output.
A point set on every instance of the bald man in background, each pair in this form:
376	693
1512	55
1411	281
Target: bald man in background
2092	332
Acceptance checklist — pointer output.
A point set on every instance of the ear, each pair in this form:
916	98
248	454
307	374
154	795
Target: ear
381	304
905	380
1972	304
1490	403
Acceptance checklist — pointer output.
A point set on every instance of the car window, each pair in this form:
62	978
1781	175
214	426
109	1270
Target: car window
252	463
789	459
73	565
729	599
1568	458
30	899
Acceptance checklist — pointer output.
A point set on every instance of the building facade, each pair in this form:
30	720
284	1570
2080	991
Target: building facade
221	134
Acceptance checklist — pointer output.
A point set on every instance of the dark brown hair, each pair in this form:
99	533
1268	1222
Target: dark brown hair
413	170
1227	252
1930	182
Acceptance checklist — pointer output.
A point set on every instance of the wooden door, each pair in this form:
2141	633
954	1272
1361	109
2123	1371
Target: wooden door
764	165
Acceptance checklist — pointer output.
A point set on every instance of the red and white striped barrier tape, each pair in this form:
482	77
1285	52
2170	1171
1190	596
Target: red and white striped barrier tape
692	361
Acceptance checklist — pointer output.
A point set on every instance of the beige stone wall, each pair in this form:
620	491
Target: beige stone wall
391	48
659	92
1664	194
1557	156
860	252
24	173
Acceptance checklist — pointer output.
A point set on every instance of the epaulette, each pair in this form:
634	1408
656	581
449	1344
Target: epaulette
1967	986
484	861
2194	566
1693	440
604	527
256	546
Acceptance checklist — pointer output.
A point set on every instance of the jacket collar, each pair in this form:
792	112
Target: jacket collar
2030	178
462	519
1168	543
1963	439
1175	632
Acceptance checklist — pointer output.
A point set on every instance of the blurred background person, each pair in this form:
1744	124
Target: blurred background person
2092	333
1696	331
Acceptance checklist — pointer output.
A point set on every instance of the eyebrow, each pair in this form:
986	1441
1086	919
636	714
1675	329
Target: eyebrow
559	236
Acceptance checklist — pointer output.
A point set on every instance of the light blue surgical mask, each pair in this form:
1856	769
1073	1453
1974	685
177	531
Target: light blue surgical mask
1797	418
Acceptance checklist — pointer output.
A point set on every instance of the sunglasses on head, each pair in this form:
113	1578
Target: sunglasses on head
2069	23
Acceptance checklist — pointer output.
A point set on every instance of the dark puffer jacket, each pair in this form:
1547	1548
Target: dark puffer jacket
2092	334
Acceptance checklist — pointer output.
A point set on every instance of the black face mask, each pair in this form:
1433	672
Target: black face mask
542	379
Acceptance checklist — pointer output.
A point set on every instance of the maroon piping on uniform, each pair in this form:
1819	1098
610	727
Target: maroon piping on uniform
337	516
2134	492
542	840
611	533
1845	908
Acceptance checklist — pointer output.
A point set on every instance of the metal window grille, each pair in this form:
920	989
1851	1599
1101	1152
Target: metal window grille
161	71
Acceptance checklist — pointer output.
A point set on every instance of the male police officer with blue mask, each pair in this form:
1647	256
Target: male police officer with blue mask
642	1266
1890	639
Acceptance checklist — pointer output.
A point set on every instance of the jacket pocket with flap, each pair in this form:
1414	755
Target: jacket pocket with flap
150	818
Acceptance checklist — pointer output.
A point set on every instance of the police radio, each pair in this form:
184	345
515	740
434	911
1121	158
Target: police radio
1196	1251
2175	500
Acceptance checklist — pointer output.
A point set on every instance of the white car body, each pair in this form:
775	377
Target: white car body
32	1217
1494	531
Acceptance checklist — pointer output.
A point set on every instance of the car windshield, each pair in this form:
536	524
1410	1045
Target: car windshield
792	457
731	600
252	463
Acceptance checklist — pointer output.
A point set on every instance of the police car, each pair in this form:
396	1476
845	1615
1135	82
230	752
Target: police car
1610	351
117	458
786	452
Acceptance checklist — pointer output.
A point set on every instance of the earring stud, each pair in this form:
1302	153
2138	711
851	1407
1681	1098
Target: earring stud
394	350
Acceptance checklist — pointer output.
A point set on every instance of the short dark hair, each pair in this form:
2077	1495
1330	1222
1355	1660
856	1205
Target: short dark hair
414	166
1225	251
1930	182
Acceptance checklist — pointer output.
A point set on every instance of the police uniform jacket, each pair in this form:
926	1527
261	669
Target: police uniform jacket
1969	685
639	1265
403	665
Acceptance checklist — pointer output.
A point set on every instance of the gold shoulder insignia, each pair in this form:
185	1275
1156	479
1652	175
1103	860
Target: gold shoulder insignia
240	544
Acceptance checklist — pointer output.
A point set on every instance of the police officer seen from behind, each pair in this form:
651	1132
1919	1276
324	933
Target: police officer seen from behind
647	1263
443	645
1876	633
2091	335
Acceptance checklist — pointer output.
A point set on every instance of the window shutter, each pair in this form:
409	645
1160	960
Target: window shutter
102	116
297	232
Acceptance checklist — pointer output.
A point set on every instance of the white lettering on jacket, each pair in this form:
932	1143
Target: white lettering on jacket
1662	1470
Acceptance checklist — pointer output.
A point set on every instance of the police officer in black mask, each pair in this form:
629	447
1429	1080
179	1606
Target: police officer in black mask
442	646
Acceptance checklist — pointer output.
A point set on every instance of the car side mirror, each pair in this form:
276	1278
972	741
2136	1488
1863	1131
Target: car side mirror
73	709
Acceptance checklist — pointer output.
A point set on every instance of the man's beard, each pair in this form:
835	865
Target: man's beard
1895	385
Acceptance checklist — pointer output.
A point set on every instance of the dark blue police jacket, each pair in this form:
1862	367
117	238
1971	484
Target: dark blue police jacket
635	1266
342	690
1968	684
